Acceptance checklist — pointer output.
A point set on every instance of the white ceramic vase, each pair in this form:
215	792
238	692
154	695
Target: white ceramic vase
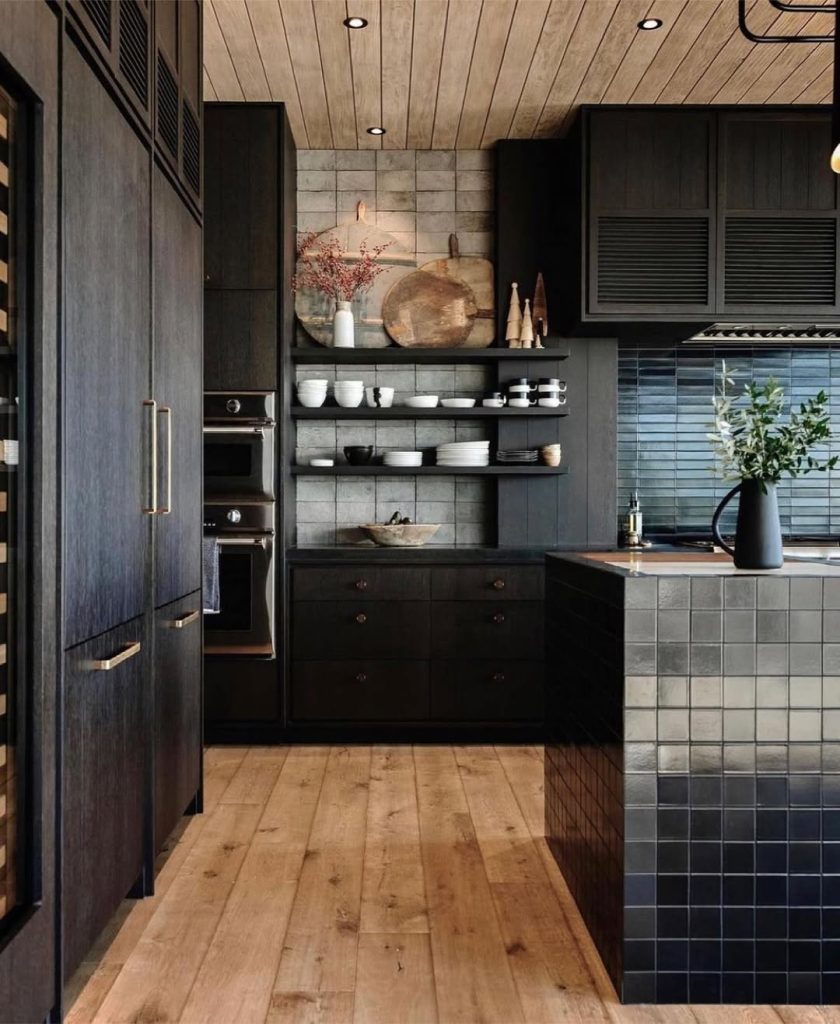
343	326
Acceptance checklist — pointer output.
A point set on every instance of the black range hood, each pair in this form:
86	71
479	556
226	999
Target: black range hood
766	334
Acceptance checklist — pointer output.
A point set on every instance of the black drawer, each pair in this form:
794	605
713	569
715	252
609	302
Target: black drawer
489	583
360	629
362	583
473	629
487	691
360	691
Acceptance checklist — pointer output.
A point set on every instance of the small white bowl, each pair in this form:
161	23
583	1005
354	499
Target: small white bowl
312	401
322	463
313	382
457	403
349	384
422	402
349	400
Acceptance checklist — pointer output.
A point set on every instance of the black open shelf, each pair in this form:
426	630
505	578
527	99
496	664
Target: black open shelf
402	412
395	354
378	470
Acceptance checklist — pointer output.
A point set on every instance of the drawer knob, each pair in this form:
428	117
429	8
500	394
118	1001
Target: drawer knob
498	584
361	618
361	677
361	585
499	618
498	677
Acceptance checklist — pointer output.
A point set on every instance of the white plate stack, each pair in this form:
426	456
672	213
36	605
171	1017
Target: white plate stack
312	393
402	459
464	454
349	393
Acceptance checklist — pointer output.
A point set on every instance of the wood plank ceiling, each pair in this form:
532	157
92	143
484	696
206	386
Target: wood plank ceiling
445	74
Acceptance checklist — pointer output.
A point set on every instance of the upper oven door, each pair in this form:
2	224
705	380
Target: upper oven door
239	461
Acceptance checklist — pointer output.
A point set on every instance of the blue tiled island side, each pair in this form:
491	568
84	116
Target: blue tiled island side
692	772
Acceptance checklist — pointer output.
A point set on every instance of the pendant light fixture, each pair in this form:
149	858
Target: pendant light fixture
791	7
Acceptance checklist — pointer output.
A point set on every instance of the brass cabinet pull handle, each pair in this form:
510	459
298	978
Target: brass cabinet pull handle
361	677
498	677
151	508
165	509
184	620
499	618
361	618
106	664
361	585
499	584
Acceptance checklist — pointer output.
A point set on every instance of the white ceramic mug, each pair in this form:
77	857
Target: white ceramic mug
519	403
552	403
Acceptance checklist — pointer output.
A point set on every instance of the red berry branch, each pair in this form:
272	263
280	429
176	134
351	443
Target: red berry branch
325	267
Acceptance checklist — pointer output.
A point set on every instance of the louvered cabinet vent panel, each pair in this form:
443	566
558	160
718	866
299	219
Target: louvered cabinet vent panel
784	261
134	49
99	12
167	106
191	149
663	260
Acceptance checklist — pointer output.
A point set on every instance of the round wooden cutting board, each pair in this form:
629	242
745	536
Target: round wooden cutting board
429	311
477	274
315	310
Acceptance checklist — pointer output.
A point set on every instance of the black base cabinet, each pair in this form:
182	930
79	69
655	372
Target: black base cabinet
106	695
397	648
177	696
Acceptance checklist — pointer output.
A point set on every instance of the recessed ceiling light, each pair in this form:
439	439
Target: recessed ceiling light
376	130
649	24
355	22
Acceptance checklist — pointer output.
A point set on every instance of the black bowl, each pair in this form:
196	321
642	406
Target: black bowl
358	454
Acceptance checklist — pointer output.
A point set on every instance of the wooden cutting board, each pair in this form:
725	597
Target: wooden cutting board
426	310
477	274
315	310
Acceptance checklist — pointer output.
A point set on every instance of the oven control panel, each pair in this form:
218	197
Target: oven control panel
220	517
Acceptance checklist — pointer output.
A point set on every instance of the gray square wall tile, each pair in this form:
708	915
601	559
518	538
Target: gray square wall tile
739	593
706	592
674	592
640	593
640	624
773	592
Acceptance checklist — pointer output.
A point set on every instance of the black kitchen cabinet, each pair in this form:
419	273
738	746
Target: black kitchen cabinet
177	715
177	252
106	357
692	214
249	243
106	694
389	647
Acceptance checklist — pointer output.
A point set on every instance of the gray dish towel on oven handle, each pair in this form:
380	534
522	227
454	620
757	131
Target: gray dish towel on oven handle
210	575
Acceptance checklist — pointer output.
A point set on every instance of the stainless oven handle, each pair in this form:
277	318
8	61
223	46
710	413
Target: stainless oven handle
251	542
259	431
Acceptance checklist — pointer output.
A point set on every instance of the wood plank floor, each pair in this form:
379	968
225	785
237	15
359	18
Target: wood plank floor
365	885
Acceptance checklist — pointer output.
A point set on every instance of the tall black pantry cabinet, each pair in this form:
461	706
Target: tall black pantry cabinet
132	376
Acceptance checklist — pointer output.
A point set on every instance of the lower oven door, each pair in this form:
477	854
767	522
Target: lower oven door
239	461
244	623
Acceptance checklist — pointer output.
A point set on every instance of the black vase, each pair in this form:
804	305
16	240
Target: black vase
758	533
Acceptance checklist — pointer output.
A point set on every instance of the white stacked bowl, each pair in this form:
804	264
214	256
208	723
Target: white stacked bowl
349	393
312	393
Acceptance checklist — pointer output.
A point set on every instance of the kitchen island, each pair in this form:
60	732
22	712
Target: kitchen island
693	771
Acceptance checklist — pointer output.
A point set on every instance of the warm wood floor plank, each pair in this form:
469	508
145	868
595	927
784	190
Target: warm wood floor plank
156	978
220	766
525	772
319	952
311	1008
394	980
236	978
736	1014
472	975
256	776
551	976
809	1014
506	845
393	890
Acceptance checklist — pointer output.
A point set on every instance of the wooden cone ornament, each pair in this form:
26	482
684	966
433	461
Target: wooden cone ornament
514	320
526	332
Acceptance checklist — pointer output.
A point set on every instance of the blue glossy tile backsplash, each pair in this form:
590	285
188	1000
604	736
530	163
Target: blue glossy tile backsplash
665	412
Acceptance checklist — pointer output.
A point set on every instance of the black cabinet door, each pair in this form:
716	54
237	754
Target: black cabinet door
177	711
176	248
104	781
240	339
106	357
778	215
651	224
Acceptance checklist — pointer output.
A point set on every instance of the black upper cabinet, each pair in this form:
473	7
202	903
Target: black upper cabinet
778	210
176	245
106	357
177	68
702	213
249	235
